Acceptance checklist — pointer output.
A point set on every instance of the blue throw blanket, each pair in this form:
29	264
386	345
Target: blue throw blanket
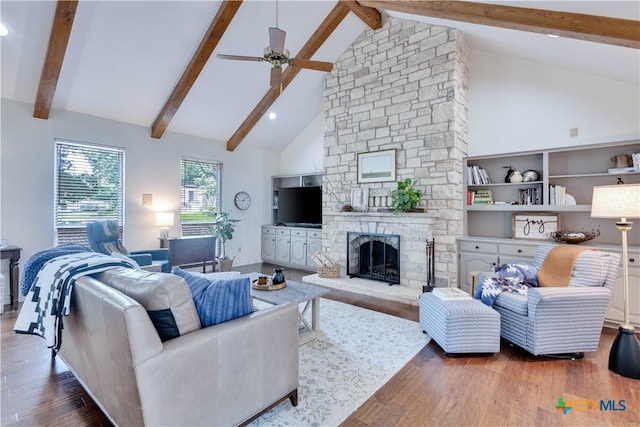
516	278
37	260
49	298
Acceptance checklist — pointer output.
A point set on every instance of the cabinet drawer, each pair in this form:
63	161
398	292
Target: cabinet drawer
299	233
316	234
281	232
518	250
478	247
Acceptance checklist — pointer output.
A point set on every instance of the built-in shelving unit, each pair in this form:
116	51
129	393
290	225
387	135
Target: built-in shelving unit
488	242
291	181
577	169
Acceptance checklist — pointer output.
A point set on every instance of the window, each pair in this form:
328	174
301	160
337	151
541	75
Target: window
89	186
199	196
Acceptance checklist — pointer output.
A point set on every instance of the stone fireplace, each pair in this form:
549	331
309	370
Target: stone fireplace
374	256
402	87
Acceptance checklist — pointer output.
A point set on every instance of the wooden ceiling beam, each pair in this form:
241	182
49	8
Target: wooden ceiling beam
368	15
216	30
58	41
599	29
316	40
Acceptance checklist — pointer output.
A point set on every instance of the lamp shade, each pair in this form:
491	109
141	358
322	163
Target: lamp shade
616	201
164	219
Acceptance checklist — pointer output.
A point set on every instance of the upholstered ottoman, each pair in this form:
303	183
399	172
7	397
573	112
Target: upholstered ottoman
467	326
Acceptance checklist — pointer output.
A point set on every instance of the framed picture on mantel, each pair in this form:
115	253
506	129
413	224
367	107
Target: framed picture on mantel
377	166
535	226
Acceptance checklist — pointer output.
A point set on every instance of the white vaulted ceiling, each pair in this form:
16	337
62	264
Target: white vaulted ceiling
124	58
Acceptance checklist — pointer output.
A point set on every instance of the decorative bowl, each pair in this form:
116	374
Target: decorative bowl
573	237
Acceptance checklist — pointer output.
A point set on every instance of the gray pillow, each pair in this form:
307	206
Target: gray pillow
166	297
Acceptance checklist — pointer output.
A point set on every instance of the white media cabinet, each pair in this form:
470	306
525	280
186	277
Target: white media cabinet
488	241
291	246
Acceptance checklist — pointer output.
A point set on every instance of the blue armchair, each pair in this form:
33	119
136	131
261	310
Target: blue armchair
563	321
104	237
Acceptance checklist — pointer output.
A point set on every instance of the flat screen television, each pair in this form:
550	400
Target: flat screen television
300	206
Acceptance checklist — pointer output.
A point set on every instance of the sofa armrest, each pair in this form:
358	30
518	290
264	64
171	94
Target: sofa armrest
570	303
161	254
141	258
223	374
563	320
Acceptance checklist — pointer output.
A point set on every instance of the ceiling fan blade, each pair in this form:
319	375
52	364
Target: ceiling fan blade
312	65
240	57
276	76
276	39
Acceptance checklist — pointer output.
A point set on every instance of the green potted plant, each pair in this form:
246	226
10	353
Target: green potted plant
223	228
405	197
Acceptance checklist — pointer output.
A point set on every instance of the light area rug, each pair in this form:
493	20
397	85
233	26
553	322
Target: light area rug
358	351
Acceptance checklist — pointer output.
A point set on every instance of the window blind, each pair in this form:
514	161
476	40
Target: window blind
200	198
89	186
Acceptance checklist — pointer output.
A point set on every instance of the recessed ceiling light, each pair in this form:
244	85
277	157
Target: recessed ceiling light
3	30
272	115
553	36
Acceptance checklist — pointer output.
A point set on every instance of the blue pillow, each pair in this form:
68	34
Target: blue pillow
218	300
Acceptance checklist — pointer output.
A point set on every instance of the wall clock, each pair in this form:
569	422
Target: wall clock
242	200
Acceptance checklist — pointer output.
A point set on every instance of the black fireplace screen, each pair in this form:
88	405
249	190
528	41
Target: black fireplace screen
374	256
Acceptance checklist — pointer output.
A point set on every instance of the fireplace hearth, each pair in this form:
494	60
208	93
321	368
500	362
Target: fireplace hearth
374	256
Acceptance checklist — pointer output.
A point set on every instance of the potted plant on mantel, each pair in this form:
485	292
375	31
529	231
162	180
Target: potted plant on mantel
405	197
223	228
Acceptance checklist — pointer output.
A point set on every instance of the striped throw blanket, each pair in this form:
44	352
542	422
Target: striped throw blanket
49	297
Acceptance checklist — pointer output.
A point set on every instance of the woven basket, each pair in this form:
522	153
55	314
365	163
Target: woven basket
329	272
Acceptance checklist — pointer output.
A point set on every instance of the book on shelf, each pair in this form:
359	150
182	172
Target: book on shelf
529	196
451	294
477	176
482	197
635	158
557	195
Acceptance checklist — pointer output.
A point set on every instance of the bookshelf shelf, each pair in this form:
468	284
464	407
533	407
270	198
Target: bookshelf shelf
571	172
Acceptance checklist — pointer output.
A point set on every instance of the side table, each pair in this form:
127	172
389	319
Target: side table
191	251
12	253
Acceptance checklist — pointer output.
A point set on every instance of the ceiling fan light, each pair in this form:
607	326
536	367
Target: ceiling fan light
272	115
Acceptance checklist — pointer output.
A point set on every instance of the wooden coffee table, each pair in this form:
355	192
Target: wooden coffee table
297	293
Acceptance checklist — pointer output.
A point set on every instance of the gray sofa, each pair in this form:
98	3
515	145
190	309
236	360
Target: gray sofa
222	375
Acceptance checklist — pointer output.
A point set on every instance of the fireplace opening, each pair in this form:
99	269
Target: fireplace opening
374	256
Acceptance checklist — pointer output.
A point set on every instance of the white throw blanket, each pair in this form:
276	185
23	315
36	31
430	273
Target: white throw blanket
50	295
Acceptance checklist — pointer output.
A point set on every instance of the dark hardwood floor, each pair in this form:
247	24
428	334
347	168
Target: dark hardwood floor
510	388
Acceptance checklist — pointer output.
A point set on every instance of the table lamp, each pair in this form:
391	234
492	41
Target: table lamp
621	201
164	220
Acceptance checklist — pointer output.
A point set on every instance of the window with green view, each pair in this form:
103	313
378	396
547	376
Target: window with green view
89	186
199	195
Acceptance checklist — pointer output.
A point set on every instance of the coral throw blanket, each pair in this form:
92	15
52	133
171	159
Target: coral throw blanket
558	265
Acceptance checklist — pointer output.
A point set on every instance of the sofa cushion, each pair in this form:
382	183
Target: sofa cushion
516	303
218	300
166	298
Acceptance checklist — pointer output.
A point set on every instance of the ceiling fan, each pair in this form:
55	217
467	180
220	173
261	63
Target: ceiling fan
276	55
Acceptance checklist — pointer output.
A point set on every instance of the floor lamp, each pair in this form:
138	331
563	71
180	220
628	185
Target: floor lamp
621	201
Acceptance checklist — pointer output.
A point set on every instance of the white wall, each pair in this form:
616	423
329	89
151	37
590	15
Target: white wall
151	166
305	153
516	105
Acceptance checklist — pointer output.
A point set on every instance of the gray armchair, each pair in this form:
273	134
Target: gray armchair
104	237
560	320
